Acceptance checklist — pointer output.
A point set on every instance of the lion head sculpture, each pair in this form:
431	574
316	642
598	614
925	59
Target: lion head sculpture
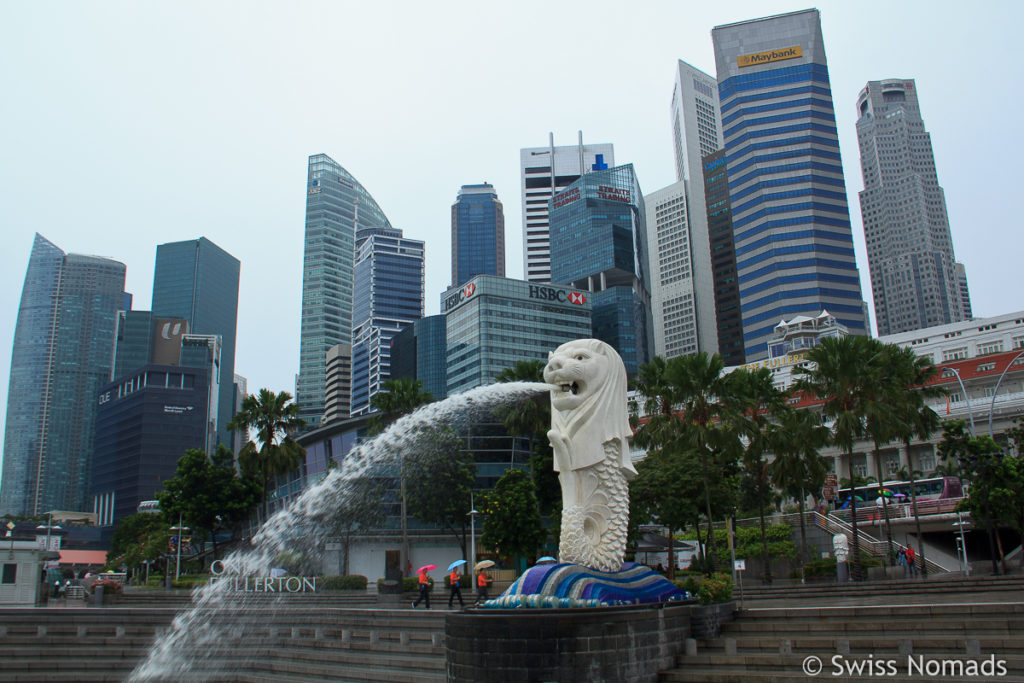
589	405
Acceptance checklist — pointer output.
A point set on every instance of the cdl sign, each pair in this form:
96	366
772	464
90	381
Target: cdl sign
457	298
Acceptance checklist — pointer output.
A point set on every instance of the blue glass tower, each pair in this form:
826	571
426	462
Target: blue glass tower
197	281
478	234
336	206
599	244
791	221
62	355
388	295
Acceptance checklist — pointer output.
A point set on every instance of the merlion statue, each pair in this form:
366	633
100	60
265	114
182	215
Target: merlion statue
589	435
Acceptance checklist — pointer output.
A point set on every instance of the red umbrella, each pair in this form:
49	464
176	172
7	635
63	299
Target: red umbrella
426	568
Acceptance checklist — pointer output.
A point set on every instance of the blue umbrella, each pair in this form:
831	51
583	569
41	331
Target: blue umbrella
455	564
546	558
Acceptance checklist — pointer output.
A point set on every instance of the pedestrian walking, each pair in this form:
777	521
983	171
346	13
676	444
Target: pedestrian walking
482	582
912	560
901	560
424	583
456	590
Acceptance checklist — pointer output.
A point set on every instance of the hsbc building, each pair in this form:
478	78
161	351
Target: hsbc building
493	322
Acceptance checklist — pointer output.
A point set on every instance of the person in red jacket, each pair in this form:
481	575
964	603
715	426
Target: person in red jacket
482	581
456	590
424	580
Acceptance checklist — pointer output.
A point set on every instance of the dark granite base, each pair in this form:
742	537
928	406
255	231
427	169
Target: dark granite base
565	645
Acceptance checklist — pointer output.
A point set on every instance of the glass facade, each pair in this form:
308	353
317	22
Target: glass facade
388	295
336	207
62	354
419	351
790	218
478	234
723	259
599	244
494	322
197	281
145	422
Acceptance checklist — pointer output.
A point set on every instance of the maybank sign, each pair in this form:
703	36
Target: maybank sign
770	56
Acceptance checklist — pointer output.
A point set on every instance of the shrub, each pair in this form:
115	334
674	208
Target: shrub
819	568
714	589
464	581
348	582
689	584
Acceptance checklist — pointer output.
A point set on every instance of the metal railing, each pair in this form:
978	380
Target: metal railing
868	543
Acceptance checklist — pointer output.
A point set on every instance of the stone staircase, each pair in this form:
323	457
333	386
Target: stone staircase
909	632
285	643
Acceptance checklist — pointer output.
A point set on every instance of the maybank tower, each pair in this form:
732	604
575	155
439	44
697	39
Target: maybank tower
791	221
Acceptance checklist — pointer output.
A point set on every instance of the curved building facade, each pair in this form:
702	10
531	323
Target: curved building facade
336	207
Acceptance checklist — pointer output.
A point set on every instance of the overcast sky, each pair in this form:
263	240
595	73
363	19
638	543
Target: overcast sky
124	125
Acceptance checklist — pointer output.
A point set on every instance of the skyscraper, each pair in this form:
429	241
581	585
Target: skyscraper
915	279
543	172
388	295
478	234
336	206
682	293
791	221
599	244
723	259
62	355
197	281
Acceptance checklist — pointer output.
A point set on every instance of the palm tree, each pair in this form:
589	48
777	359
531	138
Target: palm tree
845	374
697	407
913	416
798	468
397	397
274	417
760	401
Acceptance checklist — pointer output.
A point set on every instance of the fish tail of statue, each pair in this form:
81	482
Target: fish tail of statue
594	533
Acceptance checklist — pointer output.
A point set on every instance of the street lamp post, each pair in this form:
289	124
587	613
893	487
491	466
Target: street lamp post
472	532
963	541
992	406
179	529
967	400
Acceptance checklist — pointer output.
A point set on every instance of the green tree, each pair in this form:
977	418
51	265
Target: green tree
512	521
980	459
911	375
137	539
532	416
208	494
397	398
798	468
274	417
845	375
441	475
697	409
760	401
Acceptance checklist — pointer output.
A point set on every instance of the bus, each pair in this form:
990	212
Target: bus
931	488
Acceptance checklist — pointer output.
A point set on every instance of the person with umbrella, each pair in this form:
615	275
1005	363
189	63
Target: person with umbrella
453	580
482	580
424	581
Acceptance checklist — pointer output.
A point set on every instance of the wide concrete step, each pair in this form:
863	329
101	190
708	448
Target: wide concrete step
1009	645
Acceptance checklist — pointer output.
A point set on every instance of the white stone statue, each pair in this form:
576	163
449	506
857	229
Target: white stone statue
840	547
589	435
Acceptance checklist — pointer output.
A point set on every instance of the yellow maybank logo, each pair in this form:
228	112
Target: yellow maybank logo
770	56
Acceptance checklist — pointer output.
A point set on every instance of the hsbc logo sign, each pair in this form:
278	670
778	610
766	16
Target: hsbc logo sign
560	295
458	297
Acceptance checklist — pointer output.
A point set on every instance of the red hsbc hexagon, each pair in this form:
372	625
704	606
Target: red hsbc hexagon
468	290
577	298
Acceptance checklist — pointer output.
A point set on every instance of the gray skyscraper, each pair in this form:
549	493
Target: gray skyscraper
791	221
62	355
336	206
197	281
543	172
915	279
478	234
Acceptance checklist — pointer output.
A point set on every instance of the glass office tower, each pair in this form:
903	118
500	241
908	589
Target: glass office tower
388	295
62	354
197	281
791	221
478	234
336	206
599	244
